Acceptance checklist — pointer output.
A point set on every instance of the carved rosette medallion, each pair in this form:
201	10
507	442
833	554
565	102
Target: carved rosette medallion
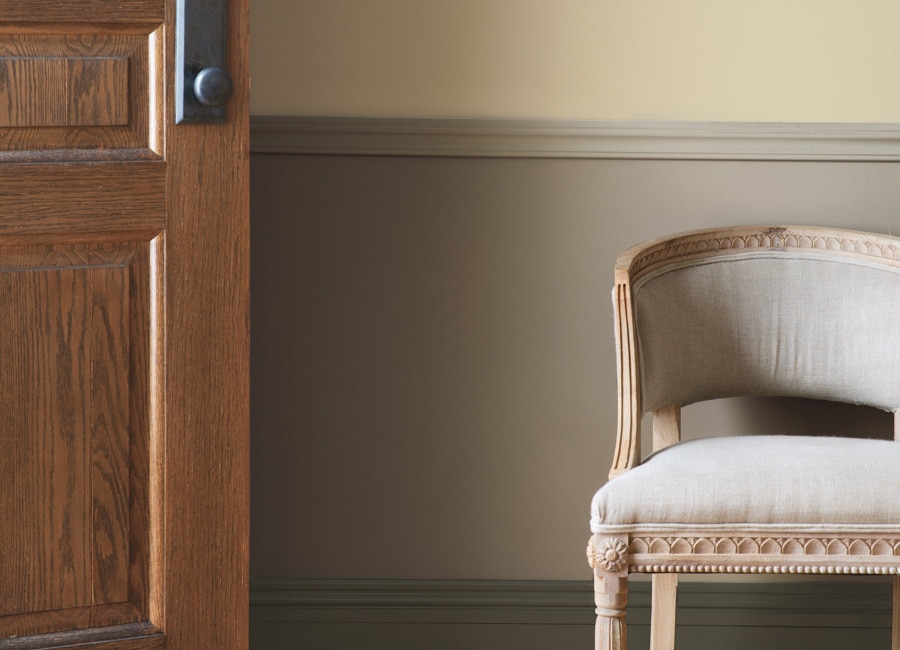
610	554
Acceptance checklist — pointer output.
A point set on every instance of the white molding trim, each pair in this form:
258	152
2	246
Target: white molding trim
509	138
854	603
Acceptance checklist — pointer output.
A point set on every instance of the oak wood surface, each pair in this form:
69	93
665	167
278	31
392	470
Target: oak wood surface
82	11
72	358
124	351
75	92
32	92
207	371
46	559
97	92
114	197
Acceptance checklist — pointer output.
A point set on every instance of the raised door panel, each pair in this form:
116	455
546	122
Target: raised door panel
82	222
123	336
75	411
84	92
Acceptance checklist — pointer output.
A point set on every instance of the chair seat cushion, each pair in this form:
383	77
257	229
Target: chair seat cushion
757	483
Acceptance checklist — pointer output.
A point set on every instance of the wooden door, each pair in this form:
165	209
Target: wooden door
123	336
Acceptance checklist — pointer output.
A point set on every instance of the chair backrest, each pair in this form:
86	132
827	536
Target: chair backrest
802	312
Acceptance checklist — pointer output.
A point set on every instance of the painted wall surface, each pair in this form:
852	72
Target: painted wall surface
433	358
433	366
705	60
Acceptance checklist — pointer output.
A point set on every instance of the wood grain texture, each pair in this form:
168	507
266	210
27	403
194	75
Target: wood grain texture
45	407
104	197
63	91
142	398
127	244
110	434
60	621
74	458
207	371
97	91
32	92
48	12
86	92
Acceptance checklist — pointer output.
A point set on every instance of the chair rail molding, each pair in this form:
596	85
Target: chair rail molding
518	138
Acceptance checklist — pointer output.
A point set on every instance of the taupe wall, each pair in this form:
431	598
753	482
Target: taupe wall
766	60
433	370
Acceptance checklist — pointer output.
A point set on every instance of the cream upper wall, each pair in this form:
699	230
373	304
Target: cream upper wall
706	60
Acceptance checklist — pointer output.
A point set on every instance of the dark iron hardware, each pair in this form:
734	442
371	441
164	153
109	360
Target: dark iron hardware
203	86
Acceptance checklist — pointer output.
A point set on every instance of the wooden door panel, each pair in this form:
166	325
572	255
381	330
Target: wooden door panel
81	92
43	91
83	205
97	94
20	105
44	454
83	11
124	336
115	198
75	390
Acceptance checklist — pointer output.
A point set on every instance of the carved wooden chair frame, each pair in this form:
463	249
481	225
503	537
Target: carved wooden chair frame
614	556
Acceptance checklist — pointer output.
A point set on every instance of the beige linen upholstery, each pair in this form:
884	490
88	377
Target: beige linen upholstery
769	324
759	483
780	311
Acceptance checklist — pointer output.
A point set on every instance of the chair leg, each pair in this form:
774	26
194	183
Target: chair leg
895	618
608	557
662	612
610	594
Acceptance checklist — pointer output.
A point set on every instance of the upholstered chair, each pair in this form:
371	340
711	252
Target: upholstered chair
749	311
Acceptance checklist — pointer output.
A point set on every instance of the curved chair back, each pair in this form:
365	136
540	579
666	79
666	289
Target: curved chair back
787	311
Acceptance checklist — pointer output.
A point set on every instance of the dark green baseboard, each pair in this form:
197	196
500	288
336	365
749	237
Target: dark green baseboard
526	615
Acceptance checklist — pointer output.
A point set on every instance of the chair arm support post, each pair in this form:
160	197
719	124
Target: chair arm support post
666	426
628	437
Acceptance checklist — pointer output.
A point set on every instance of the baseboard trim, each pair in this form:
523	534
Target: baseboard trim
850	604
509	138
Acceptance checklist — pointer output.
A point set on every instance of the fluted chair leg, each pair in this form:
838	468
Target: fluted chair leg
662	615
608	556
611	593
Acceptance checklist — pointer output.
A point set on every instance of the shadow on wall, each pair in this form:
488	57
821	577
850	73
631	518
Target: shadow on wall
433	362
785	415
